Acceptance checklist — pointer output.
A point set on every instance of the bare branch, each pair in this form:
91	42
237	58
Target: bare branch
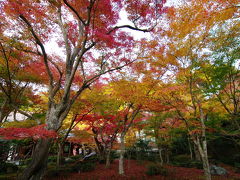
130	27
22	112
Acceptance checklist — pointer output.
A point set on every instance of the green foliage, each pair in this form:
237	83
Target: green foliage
69	160
102	160
54	172
71	166
11	176
5	145
91	159
179	142
7	167
185	161
25	161
114	155
153	156
77	157
141	151
52	159
84	166
156	169
224	150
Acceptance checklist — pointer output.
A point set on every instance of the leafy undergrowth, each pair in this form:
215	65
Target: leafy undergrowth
137	171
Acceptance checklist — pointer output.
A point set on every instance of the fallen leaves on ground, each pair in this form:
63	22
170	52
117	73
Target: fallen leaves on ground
135	170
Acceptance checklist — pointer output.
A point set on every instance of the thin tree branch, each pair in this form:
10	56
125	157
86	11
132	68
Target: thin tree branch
38	41
75	12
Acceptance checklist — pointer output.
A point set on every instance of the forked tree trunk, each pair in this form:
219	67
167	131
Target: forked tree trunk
201	144
36	168
121	158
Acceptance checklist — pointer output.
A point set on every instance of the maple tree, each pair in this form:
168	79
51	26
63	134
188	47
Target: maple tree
81	27
222	72
189	36
180	77
17	74
159	126
134	96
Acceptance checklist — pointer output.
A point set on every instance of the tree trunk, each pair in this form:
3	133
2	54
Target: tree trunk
121	158
196	152
190	148
201	143
36	168
167	156
108	158
59	155
204	156
70	149
160	155
83	150
3	110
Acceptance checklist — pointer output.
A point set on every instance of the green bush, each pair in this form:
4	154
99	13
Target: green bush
53	171
131	154
52	159
69	160
156	169
7	167
141	155
185	161
93	158
196	164
8	176
152	157
78	157
83	167
102	160
114	155
25	161
182	158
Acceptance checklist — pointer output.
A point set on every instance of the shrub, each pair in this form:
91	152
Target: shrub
25	161
185	161
114	155
8	176
102	160
152	157
181	158
68	160
83	167
196	164
53	171
93	158
52	159
78	157
7	167
156	169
